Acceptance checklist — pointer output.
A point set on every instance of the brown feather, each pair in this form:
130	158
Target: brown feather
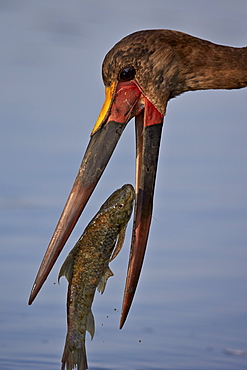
168	63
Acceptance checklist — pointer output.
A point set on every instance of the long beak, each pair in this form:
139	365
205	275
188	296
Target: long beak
148	133
124	100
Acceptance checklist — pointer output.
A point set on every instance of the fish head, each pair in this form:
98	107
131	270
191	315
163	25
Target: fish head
119	205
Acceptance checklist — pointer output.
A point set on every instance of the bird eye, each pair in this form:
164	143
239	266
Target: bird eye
120	205
127	74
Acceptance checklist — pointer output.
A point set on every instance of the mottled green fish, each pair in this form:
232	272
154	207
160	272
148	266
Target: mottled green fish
86	268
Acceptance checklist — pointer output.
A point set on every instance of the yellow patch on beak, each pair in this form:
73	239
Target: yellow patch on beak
109	93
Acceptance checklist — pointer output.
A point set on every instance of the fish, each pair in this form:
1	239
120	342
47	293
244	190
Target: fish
87	268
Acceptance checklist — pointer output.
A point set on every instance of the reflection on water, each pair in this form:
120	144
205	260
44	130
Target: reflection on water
190	310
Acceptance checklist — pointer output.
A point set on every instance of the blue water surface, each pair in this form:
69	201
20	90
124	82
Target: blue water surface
190	308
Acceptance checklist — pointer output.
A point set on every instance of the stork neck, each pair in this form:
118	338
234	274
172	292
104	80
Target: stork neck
219	67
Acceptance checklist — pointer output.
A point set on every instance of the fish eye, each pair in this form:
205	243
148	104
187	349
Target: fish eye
126	74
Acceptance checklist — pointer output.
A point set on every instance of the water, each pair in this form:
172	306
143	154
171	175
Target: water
190	309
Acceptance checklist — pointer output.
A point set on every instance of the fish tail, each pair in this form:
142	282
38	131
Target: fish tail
75	356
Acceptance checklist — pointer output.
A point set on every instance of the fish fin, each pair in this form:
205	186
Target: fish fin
120	241
67	268
74	356
90	327
102	283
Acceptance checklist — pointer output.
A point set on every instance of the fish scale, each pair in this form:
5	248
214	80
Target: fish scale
87	268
